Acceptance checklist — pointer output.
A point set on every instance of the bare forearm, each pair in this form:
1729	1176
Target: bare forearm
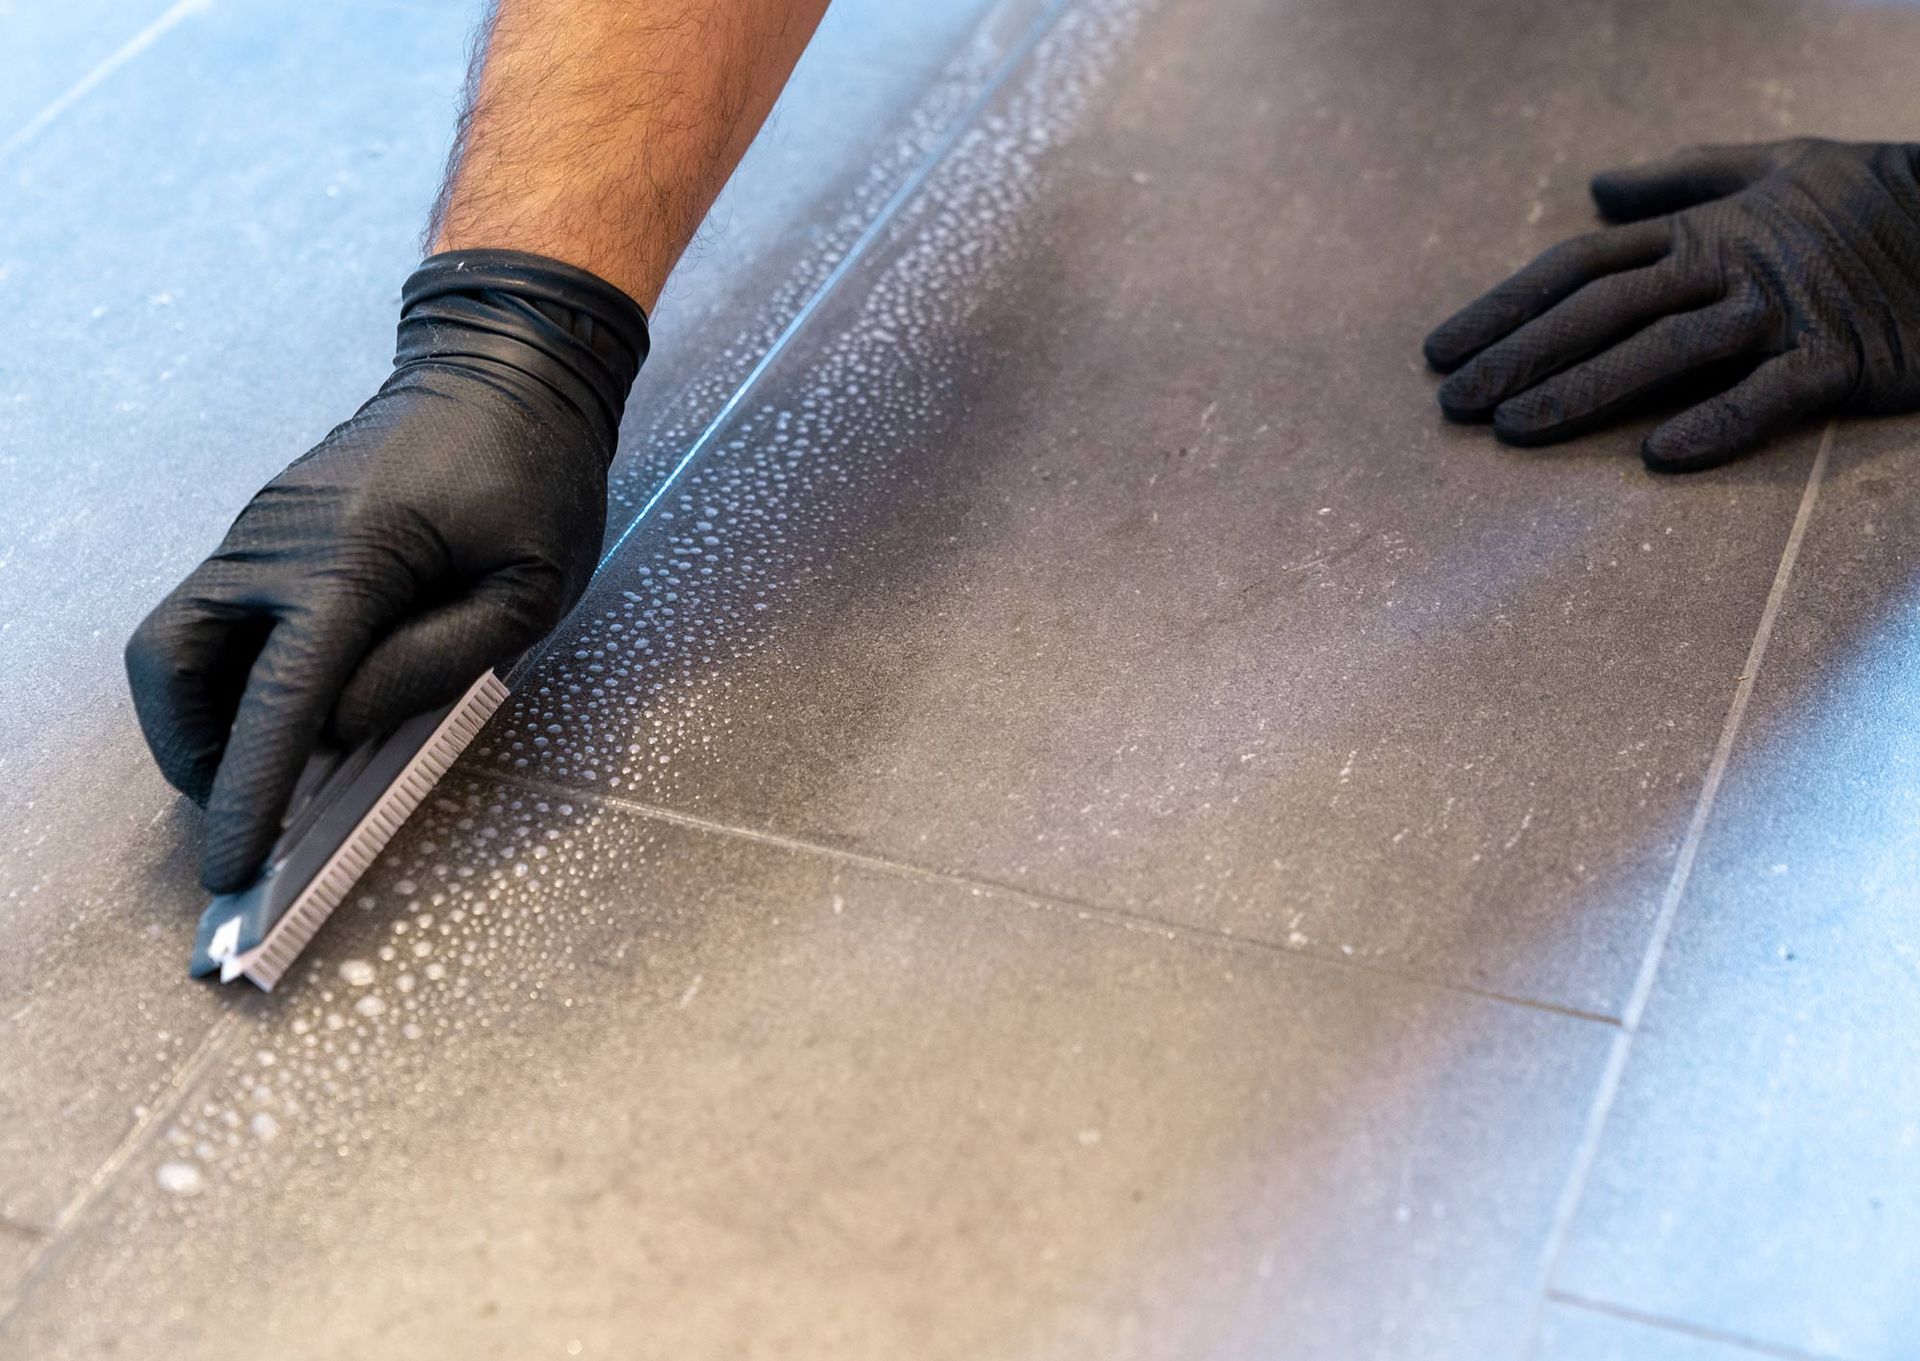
600	131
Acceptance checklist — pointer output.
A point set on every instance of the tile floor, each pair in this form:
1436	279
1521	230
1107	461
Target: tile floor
1088	823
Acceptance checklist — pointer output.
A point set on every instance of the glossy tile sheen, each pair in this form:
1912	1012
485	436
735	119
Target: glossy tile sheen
576	1076
1102	538
52	48
877	90
1758	1174
202	257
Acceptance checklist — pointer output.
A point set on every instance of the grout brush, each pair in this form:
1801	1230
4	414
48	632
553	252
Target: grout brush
345	809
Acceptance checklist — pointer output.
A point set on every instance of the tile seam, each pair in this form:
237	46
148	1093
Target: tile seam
156	28
1111	916
1586	1154
856	253
1757	1347
179	1085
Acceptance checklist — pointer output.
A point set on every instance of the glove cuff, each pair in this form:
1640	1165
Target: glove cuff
572	332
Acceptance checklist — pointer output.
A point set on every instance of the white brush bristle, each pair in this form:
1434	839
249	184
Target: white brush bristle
268	963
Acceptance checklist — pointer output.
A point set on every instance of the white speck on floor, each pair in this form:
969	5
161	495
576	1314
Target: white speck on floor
180	1178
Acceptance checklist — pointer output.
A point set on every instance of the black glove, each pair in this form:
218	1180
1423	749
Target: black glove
445	528
1794	263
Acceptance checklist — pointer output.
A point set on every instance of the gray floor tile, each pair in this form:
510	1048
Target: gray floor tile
1758	1175
1103	539
203	257
1138	367
918	37
55	47
19	1244
1578	1334
99	879
580	1078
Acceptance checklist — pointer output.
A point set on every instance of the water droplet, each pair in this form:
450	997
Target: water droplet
180	1178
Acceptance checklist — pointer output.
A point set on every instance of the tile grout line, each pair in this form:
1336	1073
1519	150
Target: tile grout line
962	123
176	1090
85	86
1587	1152
1685	1329
1122	917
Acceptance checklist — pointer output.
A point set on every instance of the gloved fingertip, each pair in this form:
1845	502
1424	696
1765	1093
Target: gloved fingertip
1532	418
230	865
138	650
350	730
190	769
390	689
359	719
1442	352
1461	401
1612	196
352	720
1677	456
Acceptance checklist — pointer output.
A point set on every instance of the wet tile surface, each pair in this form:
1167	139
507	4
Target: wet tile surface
143	402
1122	556
873	97
1770	1102
1116	1144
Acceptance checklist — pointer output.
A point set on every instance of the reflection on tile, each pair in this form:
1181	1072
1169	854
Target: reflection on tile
1758	1175
1103	539
861	114
1578	1334
575	1076
52	48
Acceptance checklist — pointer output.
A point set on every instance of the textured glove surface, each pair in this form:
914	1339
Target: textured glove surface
1795	264
445	528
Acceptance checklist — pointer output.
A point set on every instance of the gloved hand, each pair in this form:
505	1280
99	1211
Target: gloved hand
1798	261
445	528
